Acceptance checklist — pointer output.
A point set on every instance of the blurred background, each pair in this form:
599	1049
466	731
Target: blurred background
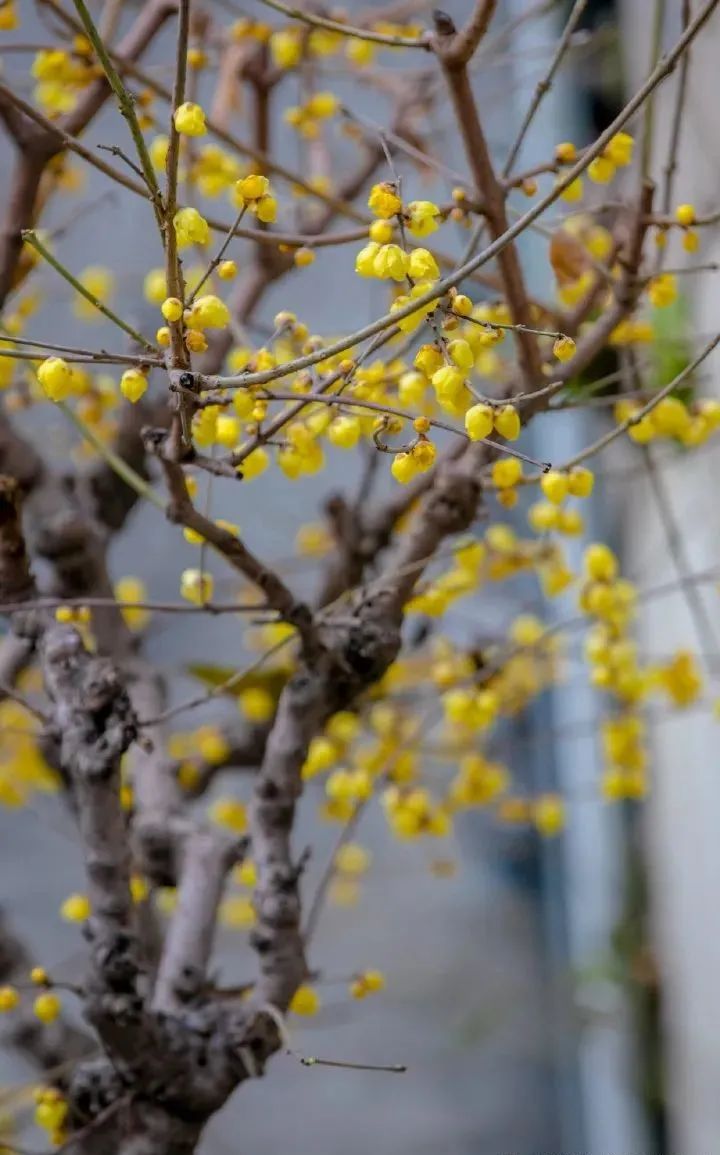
551	995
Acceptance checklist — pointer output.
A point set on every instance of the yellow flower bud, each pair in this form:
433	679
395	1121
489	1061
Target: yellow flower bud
305	1001
55	377
685	214
252	187
390	262
403	468
189	119
9	999
564	348
133	384
196	587
555	486
172	309
479	421
422	265
506	472
209	312
76	908
384	201
600	563
507	422
47	1007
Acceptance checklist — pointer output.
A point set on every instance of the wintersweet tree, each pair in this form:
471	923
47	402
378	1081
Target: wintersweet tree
435	393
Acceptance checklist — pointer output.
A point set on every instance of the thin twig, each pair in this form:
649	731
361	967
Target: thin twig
316	21
544	85
125	104
664	68
31	238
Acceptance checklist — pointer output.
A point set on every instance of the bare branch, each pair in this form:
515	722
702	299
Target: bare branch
207	857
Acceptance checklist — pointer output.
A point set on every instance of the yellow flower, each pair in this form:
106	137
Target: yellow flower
600	563
352	859
662	290
266	209
237	912
601	170
365	259
196	58
46	1007
681	679
303	257
158	151
256	704
506	472
76	908
422	218
381	232
229	813
322	104
9	999
360	52
226	270
460	353
139	889
344	432
8	16
252	187
133	385
155	286
190	228
581	481
196	587
172	309
448	381
564	348
542	516
549	814
691	241
254	464
366	983
189	119
573	192
507	422
685	214
555	485
384	201
670	417
565	152
424	454
620	149
390	262
99	282
209	312
479	421
55	377
196	341
286	48
428	359
355	785
305	1001
132	589
422	265
404	468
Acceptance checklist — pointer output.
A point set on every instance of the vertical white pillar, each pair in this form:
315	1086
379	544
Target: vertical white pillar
683	814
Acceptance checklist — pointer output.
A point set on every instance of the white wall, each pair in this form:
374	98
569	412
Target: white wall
683	816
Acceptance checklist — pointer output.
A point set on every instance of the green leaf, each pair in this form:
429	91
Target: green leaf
671	350
273	679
